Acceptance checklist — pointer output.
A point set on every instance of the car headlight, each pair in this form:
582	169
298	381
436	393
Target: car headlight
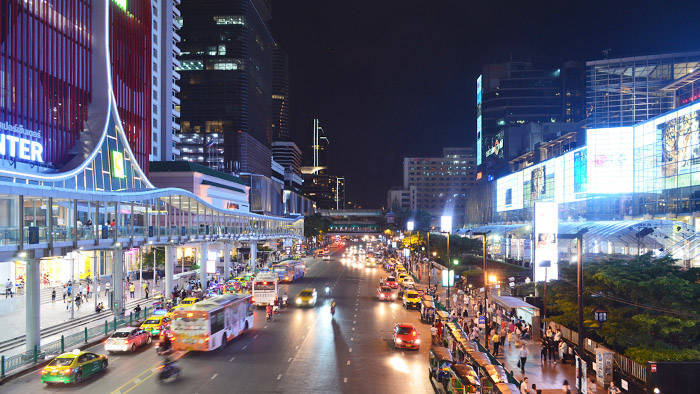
417	342
398	340
298	301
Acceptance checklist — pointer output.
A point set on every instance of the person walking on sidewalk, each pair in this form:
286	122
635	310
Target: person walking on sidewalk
496	339
53	295
132	290
146	290
8	288
523	386
523	358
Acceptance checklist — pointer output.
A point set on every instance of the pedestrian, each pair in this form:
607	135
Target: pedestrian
53	296
8	288
146	290
543	352
65	292
433	335
77	301
496	339
523	358
523	386
534	389
107	286
566	388
88	289
132	290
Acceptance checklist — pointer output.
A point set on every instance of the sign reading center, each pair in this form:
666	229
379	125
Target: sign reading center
20	148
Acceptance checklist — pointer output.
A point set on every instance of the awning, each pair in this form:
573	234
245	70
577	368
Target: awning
512	302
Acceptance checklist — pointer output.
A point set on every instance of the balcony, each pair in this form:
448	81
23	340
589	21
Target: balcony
176	87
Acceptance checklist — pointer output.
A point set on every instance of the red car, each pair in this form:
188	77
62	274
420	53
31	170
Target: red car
384	293
390	281
406	336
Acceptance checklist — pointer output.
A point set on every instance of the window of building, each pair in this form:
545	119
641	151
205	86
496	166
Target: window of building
155	80
230	20
155	150
222	50
226	66
155	109
155	135
211	51
191	65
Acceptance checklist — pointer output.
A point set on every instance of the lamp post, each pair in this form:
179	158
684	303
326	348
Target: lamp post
486	285
446	227
579	286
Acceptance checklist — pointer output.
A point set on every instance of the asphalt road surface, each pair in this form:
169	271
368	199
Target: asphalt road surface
301	351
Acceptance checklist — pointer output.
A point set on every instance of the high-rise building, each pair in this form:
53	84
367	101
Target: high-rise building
626	91
441	182
287	154
280	94
328	191
398	199
519	92
167	20
226	66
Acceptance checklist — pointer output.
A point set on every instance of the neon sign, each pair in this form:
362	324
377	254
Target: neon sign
117	164
16	147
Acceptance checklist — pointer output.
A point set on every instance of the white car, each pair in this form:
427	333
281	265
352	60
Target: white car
408	282
326	257
127	339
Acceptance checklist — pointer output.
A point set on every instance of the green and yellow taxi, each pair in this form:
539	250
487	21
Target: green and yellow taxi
401	277
411	299
73	367
156	323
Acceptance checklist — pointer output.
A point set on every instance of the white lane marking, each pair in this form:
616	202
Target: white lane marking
255	336
279	376
137	381
353	328
297	347
354	322
231	359
352	338
244	347
345	380
214	376
290	359
350	350
348	363
265	326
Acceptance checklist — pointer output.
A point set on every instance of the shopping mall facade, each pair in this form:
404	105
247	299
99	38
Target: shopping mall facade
634	189
75	197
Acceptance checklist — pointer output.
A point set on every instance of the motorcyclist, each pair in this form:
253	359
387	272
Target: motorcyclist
284	299
332	307
268	311
165	343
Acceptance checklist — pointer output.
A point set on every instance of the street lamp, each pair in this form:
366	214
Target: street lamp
486	285
579	285
446	227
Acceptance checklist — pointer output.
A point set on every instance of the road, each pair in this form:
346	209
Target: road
301	351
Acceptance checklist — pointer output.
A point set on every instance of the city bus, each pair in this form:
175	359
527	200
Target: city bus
209	324
265	288
289	271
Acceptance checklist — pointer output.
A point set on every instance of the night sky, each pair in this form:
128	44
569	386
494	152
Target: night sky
391	79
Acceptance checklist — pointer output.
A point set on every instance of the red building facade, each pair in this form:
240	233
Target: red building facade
45	73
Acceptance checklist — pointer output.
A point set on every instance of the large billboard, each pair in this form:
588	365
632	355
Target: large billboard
509	192
610	163
680	150
546	242
478	121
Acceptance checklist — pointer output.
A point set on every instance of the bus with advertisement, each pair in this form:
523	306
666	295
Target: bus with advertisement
209	324
289	271
265	288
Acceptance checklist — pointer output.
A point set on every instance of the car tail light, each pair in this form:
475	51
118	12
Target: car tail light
67	371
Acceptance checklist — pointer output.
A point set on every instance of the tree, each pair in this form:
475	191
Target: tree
652	306
315	225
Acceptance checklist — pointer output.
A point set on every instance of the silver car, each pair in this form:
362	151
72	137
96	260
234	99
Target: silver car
127	339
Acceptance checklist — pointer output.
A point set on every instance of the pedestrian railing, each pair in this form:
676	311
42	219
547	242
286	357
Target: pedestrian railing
623	363
70	341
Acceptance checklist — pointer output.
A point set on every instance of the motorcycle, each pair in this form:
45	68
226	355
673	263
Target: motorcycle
284	301
169	371
163	348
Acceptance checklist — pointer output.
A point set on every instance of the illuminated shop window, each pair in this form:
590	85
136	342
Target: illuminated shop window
230	20
191	65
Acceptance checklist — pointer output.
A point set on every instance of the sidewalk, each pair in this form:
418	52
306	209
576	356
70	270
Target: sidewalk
55	313
546	375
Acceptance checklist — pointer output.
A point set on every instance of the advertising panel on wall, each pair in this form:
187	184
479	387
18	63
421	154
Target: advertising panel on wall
546	243
478	121
509	192
610	163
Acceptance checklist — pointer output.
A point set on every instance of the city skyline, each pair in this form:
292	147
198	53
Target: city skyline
412	69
